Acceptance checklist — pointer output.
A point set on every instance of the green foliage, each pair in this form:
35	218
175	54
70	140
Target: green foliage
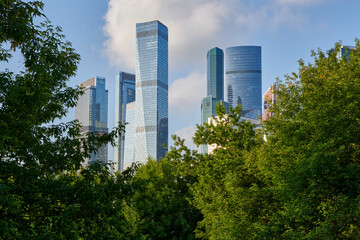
313	149
231	194
72	205
159	207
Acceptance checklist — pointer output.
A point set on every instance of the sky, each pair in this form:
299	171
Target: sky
103	33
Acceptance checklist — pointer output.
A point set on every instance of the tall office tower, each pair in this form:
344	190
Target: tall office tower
124	94
215	73
215	87
129	146
91	111
243	79
151	106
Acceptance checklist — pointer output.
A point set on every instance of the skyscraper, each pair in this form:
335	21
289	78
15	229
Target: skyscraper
243	79
215	73
124	94
215	86
151	106
91	111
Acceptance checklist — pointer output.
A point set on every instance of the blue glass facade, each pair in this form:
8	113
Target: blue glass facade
129	145
151	115
243	79
124	94
91	111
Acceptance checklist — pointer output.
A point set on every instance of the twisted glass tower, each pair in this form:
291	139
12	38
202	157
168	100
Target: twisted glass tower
124	94
243	79
151	105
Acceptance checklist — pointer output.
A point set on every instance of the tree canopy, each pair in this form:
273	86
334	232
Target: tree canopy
43	192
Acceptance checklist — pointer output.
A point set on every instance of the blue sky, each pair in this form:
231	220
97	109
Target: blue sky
103	33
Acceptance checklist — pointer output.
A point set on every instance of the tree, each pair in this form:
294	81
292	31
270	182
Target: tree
302	182
313	149
230	193
158	207
40	161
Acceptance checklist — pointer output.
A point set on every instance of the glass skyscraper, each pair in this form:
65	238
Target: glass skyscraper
243	79
91	111
151	116
124	94
215	73
215	87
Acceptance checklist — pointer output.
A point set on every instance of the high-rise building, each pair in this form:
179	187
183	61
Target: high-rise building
215	87
91	111
215	73
151	106
129	145
243	79
269	98
124	94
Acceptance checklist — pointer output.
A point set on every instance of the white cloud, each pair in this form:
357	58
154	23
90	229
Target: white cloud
185	94
269	17
298	2
194	26
187	133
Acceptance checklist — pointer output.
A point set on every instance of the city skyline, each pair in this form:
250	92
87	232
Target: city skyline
152	64
286	30
89	101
